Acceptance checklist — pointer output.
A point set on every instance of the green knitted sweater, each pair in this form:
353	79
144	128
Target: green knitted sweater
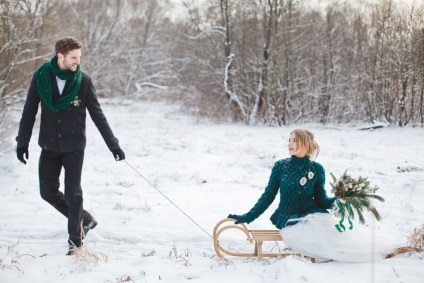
300	182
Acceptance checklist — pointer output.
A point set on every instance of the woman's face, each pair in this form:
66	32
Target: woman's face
294	147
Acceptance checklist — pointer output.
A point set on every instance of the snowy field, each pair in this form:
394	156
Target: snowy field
208	170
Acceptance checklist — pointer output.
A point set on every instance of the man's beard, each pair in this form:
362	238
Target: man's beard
69	66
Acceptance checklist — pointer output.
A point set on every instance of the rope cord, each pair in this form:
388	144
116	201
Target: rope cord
167	198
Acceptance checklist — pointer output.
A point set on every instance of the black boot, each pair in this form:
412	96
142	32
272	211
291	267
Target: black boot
88	226
72	248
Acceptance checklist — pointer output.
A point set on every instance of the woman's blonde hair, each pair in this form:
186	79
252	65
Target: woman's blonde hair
305	139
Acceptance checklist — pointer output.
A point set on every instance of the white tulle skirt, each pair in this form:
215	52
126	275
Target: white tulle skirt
315	236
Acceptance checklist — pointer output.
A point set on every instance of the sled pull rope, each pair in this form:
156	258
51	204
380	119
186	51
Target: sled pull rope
167	198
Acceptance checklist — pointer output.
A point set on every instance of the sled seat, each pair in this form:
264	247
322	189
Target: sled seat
258	237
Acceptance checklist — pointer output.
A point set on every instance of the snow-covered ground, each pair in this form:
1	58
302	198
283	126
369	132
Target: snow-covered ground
208	170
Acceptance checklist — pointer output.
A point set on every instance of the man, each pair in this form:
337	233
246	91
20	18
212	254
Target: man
64	92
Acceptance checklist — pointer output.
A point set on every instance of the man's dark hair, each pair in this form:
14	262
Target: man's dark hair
66	44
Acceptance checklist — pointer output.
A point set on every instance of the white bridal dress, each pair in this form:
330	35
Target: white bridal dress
315	235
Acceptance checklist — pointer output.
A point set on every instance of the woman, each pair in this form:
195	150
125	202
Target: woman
302	214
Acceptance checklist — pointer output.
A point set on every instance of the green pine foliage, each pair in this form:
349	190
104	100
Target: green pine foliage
358	192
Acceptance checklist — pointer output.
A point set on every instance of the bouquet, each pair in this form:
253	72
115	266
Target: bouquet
353	194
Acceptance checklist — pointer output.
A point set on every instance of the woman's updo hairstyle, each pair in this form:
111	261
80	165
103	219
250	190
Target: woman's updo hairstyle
305	139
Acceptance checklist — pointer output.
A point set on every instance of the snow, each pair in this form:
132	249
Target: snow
208	171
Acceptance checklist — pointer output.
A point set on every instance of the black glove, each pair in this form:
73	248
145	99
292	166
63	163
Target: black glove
20	152
239	218
118	154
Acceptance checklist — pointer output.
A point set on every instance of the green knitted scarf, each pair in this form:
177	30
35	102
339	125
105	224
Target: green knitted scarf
44	84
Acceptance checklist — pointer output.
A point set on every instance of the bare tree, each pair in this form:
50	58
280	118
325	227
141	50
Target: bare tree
20	48
237	104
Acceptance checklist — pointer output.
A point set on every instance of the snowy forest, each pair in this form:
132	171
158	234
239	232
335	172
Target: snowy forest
276	62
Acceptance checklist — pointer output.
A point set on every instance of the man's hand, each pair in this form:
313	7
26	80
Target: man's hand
118	154
20	152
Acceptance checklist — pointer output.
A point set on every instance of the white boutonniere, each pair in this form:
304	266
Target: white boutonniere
303	181
310	175
76	101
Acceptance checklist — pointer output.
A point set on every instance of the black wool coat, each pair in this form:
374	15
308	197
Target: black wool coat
64	131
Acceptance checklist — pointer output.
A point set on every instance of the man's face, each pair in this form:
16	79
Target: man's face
70	60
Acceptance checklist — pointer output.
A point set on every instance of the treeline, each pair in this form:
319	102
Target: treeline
259	61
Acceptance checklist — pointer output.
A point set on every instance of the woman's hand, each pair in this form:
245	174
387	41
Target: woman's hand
239	218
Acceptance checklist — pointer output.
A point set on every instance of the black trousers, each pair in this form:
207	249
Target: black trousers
69	204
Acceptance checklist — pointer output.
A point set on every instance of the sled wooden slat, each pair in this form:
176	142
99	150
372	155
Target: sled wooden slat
258	237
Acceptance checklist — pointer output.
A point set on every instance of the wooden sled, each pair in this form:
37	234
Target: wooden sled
253	236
